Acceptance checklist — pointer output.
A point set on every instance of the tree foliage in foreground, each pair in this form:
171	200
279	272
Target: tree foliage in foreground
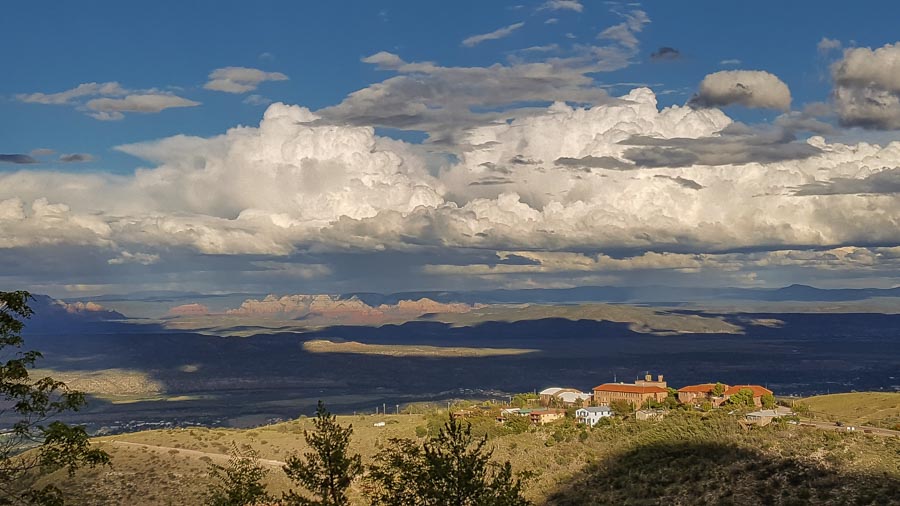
240	482
27	409
742	398
326	471
453	468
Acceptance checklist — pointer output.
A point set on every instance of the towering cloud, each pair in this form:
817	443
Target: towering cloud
620	176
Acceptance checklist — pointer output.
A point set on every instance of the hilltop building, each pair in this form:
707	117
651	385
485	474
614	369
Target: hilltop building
758	392
636	393
766	416
545	416
698	394
563	397
591	415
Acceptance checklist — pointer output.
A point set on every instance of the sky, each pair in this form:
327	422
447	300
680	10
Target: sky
304	147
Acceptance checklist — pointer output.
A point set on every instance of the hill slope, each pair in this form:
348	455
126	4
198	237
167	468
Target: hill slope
879	409
687	458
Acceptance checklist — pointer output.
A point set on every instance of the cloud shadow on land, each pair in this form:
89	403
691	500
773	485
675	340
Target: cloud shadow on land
706	473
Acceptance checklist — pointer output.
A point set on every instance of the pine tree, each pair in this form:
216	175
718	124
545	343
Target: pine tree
453	468
240	483
326	471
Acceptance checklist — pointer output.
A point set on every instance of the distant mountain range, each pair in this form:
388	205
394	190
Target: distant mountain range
637	294
51	314
641	294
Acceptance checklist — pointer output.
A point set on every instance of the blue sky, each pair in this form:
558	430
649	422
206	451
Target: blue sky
56	46
310	54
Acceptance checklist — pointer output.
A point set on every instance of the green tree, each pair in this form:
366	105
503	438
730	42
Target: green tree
451	469
768	401
801	408
517	424
671	400
326	471
239	483
718	390
621	408
743	398
524	400
28	407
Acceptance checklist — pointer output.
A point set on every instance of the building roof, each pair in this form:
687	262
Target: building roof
573	396
703	388
548	411
629	388
758	391
550	391
596	409
765	413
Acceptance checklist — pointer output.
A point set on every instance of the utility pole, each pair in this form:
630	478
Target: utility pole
383	408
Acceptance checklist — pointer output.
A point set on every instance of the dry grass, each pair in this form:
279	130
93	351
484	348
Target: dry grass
685	452
105	382
880	409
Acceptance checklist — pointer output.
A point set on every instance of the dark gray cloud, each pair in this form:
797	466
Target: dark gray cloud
683	181
17	158
665	53
737	144
490	181
885	182
76	157
594	162
521	160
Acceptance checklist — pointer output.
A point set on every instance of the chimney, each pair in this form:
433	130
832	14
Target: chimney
648	378
660	378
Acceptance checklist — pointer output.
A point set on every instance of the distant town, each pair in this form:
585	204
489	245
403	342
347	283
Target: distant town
647	399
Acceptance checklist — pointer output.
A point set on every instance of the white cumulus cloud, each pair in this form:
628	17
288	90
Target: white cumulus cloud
867	87
750	88
561	182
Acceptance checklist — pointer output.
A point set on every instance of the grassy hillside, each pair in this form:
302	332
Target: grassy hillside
880	409
687	458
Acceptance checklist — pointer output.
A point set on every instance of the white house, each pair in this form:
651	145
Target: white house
592	415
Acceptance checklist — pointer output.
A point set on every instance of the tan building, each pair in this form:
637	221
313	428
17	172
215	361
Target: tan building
650	414
648	381
758	392
636	393
545	416
698	394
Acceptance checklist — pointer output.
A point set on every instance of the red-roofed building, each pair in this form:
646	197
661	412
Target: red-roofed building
698	394
634	393
758	392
